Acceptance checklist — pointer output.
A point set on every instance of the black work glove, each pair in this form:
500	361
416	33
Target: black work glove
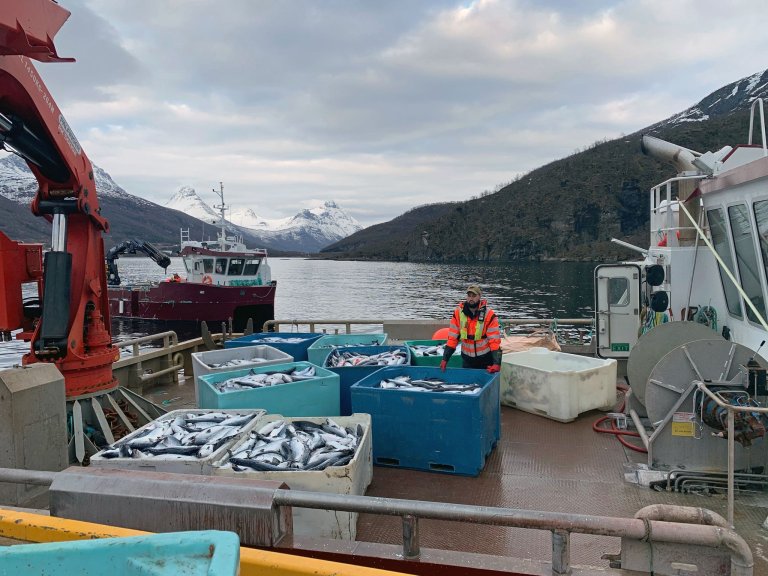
448	352
496	355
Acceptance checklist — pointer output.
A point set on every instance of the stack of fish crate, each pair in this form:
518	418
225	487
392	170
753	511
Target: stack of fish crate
434	430
350	375
350	478
218	361
312	396
293	343
319	349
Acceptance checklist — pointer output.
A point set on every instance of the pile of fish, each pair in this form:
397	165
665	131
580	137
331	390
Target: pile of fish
235	362
296	445
187	436
282	339
342	357
431	350
428	385
265	379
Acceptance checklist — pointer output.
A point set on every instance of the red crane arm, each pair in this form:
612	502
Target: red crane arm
74	328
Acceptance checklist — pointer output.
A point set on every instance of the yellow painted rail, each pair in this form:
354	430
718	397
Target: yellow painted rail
29	527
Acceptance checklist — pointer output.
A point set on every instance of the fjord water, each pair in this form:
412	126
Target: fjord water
329	289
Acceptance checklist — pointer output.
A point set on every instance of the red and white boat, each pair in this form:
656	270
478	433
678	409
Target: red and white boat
224	280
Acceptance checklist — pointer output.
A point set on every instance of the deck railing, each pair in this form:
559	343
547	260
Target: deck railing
317	324
657	523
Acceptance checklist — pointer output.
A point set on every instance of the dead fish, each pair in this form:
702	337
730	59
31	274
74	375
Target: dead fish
297	445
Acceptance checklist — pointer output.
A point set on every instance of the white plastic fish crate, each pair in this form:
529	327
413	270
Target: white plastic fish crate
254	356
173	463
556	385
353	478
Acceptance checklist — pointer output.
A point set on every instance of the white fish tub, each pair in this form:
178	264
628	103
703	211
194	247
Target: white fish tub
175	463
557	385
252	356
353	478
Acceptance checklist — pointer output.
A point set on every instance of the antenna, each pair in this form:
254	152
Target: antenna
222	209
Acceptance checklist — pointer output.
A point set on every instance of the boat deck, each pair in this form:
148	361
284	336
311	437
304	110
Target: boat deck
538	464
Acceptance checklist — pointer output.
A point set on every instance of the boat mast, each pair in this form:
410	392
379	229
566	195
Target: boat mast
222	208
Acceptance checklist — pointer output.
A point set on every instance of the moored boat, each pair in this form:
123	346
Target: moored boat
224	280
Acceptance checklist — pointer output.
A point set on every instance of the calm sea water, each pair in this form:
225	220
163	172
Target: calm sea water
323	289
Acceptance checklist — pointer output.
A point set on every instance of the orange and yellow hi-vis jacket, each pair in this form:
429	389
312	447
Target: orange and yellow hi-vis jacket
479	334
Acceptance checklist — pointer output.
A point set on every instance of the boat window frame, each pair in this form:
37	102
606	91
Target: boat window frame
248	262
730	293
223	261
207	265
233	266
620	289
749	244
762	242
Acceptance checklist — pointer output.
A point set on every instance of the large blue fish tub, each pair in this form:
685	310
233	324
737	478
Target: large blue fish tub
318	396
201	553
319	349
434	431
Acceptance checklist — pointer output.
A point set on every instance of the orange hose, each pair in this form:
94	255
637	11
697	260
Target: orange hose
616	431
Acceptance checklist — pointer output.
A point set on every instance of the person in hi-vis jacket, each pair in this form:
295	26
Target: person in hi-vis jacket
476	326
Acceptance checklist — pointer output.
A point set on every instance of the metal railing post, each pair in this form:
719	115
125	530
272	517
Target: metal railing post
731	464
561	551
411	549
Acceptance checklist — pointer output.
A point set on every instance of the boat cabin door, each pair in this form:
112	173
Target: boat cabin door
617	309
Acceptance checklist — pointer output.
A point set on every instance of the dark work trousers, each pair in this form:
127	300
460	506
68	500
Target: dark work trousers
477	361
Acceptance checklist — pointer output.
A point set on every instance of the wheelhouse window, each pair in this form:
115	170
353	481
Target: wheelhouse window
207	265
719	233
251	266
221	265
761	219
749	271
235	266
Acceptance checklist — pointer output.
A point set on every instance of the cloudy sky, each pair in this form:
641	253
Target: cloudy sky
380	106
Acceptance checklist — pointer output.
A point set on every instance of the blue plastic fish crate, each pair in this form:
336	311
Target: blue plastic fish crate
349	375
202	553
298	350
435	431
318	351
316	397
454	362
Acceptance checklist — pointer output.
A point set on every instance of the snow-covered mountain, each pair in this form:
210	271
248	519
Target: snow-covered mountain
308	231
186	200
17	183
731	97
